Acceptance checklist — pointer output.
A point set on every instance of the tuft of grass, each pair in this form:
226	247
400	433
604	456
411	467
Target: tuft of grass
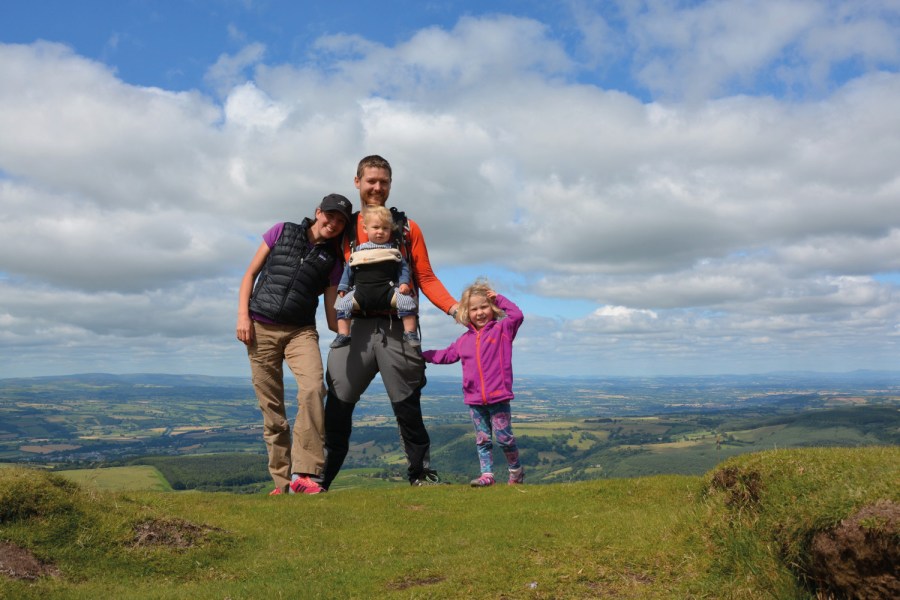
741	534
26	494
761	527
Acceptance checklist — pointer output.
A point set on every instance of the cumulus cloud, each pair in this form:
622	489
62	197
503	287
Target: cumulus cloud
697	50
700	230
229	70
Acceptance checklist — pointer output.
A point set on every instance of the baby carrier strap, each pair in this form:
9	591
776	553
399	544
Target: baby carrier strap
374	255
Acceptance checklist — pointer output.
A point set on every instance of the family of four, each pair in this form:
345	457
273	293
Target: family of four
369	266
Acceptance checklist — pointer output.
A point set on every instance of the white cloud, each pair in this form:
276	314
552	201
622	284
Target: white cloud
248	107
229	70
727	232
695	50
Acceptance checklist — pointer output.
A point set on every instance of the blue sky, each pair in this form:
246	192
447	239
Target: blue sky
664	187
172	44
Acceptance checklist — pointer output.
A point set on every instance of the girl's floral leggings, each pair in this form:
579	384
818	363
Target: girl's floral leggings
496	419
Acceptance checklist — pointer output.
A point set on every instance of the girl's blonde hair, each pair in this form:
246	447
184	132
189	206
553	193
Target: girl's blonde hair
481	287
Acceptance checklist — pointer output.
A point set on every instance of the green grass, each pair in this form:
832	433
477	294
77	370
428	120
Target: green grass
137	478
653	537
801	492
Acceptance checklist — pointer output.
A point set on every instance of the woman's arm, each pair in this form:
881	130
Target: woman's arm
329	297
244	326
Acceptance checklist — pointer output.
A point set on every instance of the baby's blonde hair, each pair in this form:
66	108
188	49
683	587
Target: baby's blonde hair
381	213
481	287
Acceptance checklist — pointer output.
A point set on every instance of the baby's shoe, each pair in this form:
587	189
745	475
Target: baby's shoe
340	341
412	338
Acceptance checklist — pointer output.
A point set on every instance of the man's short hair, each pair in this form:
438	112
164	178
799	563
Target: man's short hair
373	161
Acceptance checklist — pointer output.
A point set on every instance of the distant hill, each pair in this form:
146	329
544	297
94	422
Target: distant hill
782	378
569	429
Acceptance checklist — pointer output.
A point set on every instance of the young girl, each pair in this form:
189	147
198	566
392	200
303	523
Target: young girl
486	354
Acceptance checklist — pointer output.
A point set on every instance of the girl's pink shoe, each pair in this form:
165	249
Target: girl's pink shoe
485	480
516	476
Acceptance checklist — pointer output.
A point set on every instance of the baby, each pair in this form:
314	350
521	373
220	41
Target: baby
376	279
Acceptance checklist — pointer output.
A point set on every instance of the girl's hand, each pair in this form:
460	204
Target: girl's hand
491	295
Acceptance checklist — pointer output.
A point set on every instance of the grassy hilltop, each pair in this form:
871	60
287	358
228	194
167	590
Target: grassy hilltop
761	525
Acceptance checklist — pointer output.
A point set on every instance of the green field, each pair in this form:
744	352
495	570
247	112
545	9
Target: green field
147	478
138	478
205	433
565	450
704	536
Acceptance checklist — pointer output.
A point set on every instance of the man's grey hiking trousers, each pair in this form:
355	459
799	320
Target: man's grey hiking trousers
376	346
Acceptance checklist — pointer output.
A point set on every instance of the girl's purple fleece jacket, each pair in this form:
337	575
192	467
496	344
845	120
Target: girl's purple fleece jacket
486	356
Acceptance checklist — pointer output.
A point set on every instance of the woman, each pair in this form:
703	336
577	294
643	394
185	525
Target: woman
293	266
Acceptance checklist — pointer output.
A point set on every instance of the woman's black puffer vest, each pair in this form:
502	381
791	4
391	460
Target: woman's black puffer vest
294	275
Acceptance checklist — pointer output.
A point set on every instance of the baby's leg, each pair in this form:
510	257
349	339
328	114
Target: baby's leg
343	326
344	307
406	308
409	323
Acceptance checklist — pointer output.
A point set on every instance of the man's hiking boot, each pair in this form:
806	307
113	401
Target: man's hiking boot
516	476
428	477
486	479
305	485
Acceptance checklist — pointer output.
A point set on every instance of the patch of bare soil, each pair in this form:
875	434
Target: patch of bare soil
18	563
410	582
172	533
860	557
743	487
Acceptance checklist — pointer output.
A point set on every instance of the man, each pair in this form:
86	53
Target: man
377	344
